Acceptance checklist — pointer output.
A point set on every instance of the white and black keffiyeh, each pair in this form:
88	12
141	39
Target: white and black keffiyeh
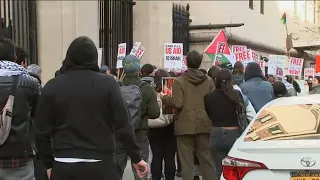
8	68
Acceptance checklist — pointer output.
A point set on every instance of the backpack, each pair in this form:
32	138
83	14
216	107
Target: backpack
132	96
6	113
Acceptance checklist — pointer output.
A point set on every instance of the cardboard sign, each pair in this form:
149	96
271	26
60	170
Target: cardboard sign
295	66
276	65
238	48
122	49
262	65
308	72
173	55
137	50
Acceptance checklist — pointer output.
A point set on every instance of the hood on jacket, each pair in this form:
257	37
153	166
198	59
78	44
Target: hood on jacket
195	76
252	70
82	52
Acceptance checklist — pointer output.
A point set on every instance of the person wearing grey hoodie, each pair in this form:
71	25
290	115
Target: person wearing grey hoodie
258	91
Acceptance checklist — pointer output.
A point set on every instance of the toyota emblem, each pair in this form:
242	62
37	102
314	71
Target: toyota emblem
307	162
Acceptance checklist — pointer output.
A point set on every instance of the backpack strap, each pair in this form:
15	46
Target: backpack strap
14	85
141	84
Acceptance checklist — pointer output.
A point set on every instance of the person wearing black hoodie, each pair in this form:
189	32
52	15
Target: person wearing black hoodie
258	91
79	112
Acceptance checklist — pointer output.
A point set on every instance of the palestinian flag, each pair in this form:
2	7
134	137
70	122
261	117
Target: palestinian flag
219	51
284	18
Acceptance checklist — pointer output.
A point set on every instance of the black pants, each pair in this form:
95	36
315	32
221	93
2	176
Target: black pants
102	170
163	150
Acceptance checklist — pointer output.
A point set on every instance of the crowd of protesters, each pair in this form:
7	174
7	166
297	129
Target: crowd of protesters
83	125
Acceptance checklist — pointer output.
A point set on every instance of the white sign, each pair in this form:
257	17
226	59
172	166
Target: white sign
173	55
140	52
184	64
276	65
238	48
99	57
137	50
308	72
295	66
122	49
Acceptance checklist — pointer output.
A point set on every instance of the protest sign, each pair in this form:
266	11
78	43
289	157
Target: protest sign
173	55
262	65
244	56
140	52
99	56
137	50
255	56
184	64
295	66
308	72
276	65
238	48
167	83
122	49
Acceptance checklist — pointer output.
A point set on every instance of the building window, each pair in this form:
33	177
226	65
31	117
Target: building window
262	6
251	4
310	11
305	10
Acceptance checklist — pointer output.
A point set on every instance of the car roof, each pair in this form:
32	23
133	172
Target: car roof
305	99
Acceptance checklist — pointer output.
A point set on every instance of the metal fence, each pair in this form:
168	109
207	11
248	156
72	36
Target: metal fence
116	26
19	23
180	28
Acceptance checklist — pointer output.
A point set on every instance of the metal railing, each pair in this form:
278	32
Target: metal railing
19	23
116	26
180	28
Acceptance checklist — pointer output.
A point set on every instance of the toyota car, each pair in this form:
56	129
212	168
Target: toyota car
281	143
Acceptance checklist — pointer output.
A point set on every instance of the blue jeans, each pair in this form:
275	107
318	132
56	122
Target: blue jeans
22	173
221	141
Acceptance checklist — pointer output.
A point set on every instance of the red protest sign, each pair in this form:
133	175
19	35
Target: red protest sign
255	56
173	50
295	66
243	56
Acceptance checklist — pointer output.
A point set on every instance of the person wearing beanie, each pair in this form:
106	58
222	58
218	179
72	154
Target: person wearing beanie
78	114
105	69
150	110
258	91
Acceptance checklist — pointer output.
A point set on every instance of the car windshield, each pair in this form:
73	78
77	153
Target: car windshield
289	122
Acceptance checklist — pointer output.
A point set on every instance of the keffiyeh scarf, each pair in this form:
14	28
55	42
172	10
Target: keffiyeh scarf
8	68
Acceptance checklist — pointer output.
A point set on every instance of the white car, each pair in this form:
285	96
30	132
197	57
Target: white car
281	143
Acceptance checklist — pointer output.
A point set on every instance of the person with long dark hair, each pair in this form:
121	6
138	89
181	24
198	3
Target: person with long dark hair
213	71
161	137
221	106
280	89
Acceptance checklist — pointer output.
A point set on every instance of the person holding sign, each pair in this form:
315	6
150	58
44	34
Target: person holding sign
193	126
